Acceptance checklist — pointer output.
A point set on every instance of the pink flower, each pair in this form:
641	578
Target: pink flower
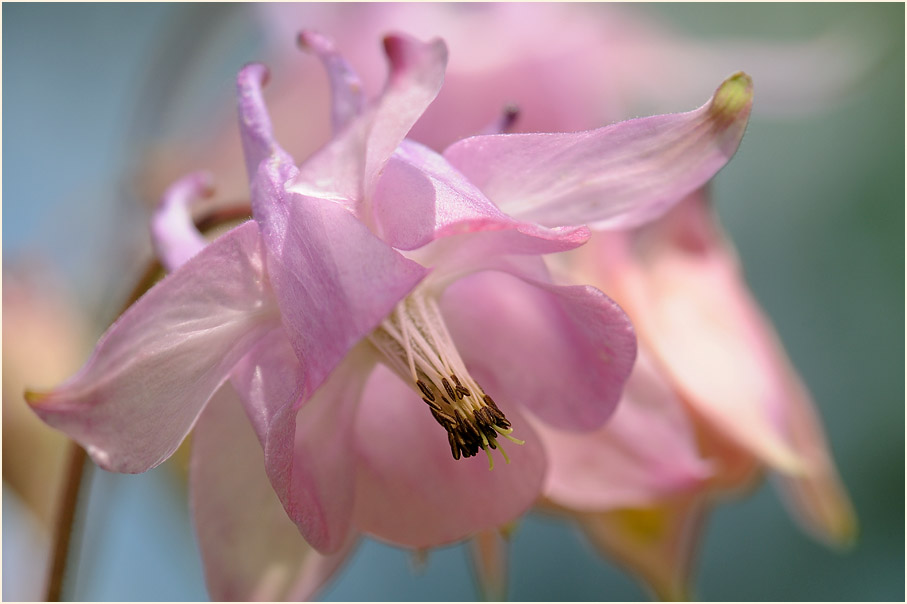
741	405
381	296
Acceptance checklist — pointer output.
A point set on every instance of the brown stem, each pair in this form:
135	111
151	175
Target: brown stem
223	215
65	520
77	456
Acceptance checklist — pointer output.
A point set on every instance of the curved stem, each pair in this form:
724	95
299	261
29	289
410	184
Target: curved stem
65	521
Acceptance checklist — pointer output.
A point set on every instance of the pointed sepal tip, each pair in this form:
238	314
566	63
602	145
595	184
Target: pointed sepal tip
735	95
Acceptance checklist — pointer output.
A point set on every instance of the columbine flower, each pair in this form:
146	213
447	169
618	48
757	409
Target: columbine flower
381	319
712	347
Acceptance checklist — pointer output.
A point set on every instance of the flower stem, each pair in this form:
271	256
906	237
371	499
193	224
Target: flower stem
65	520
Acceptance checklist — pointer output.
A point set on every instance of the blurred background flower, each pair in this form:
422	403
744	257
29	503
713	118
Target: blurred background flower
96	96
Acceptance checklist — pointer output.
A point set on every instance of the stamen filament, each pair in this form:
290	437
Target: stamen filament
420	304
508	437
404	329
504	453
490	458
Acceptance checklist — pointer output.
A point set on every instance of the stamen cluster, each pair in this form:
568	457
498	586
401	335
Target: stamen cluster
416	344
470	426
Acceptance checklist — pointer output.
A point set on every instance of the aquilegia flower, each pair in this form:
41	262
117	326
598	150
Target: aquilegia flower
384	317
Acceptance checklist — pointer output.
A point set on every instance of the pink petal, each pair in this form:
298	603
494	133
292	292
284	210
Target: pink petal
153	371
749	392
416	74
346	88
420	198
347	170
562	352
689	304
254	123
508	245
818	499
657	544
646	452
308	442
335	281
250	549
411	491
270	381
173	232
613	177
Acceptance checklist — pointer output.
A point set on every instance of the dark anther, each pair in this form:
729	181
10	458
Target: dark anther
450	391
432	404
425	390
454	447
484	417
460	389
469	444
465	423
497	414
446	421
489	433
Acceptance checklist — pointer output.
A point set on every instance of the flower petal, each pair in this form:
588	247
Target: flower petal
254	123
173	234
309	454
346	88
250	549
335	281
508	246
688	299
737	374
817	499
562	352
613	177
657	544
686	296
413	493
646	452
489	553
416	74
420	198
155	368
269	381
347	169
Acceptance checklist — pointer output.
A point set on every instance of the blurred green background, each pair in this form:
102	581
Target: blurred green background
814	203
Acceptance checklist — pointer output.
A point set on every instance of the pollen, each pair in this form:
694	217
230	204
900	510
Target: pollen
415	343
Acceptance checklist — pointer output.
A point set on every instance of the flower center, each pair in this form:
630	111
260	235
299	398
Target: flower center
416	344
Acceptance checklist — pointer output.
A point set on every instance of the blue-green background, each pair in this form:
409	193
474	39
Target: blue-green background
815	206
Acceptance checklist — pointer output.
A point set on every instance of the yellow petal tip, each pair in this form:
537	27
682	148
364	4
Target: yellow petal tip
734	96
33	397
844	532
